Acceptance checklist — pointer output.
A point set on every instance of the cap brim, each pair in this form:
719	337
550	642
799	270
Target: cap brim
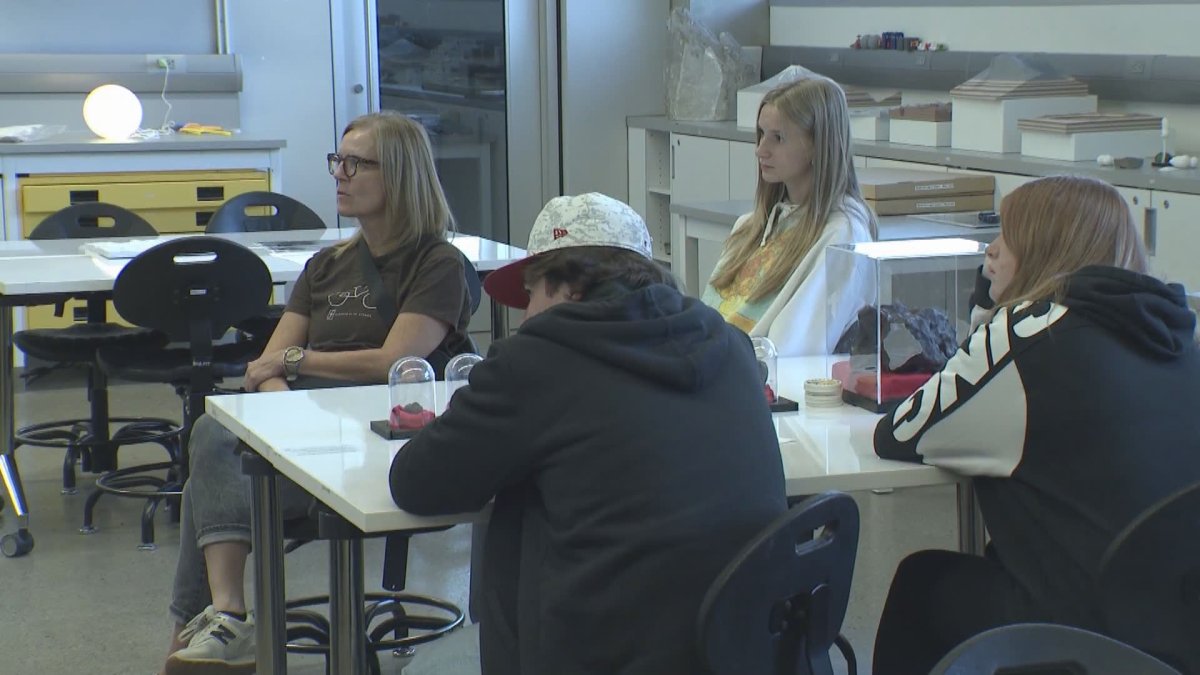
507	285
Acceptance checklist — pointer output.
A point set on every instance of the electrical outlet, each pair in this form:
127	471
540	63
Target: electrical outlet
159	62
1137	67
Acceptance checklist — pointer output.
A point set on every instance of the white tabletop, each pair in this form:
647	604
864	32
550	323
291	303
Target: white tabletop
321	440
58	266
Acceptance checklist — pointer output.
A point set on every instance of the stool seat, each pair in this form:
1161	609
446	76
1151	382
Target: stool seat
175	364
78	343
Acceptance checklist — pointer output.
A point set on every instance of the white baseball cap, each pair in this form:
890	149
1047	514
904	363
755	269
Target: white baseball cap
590	219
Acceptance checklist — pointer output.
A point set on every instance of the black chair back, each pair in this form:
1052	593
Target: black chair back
90	220
1046	649
284	213
778	606
1149	581
193	289
474	287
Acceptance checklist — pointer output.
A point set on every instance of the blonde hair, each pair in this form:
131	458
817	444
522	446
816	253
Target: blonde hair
1057	225
818	106
413	199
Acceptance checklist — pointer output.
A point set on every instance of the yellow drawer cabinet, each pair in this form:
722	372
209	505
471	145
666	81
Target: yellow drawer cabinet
75	311
174	202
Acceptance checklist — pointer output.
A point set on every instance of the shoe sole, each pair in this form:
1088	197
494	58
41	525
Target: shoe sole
178	667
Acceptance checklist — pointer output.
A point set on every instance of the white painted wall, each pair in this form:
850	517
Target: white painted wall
748	21
1071	29
612	66
1121	29
108	27
288	90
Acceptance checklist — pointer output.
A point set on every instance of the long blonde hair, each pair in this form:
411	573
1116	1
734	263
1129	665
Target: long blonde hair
818	106
413	199
1057	225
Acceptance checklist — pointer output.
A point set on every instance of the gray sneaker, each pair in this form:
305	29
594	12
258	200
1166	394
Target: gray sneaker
221	646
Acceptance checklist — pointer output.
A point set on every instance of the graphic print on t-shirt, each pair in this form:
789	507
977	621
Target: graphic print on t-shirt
354	302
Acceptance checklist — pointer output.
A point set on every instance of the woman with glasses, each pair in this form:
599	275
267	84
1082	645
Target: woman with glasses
396	288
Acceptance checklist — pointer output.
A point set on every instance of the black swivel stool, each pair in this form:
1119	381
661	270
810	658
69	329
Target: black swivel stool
779	604
193	289
89	440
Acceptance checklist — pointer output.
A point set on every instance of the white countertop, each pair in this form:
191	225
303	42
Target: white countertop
83	141
58	266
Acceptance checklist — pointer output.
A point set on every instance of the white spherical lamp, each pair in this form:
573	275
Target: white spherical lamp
112	112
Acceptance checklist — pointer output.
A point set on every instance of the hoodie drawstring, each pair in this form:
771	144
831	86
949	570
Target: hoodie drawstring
771	218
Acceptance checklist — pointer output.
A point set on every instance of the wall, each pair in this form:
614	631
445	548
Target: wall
287	85
1055	26
613	58
288	90
108	27
748	21
1048	27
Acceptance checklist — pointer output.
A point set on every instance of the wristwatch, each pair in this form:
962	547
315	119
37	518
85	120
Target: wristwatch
292	356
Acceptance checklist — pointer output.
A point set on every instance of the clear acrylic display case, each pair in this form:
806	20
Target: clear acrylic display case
897	310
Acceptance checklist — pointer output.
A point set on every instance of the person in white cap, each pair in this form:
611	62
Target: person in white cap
625	438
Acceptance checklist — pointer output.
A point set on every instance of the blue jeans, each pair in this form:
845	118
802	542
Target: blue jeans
216	509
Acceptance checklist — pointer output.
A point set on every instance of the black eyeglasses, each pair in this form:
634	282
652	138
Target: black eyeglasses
350	162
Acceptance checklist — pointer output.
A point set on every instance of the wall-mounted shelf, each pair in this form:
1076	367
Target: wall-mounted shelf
1158	79
80	73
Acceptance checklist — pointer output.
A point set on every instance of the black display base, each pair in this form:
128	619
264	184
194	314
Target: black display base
382	428
784	404
869	403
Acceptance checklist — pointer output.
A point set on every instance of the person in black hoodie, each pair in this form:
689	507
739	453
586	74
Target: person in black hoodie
624	436
1073	409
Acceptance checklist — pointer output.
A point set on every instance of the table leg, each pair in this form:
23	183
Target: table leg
266	522
499	320
971	531
8	421
348	639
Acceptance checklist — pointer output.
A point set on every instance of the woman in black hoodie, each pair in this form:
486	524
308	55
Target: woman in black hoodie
1073	409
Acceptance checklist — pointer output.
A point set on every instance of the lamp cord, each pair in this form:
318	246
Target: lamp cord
165	128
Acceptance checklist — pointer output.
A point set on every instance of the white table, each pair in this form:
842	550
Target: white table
46	271
321	441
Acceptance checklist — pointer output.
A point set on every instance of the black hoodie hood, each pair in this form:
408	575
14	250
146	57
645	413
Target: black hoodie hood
655	333
1153	317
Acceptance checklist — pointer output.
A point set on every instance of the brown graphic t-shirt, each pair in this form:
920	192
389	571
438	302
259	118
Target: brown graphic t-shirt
341	306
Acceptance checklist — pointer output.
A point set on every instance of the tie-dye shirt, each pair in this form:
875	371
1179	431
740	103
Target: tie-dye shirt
734	302
795	316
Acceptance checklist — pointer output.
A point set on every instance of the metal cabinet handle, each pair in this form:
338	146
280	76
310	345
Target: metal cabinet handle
1135	200
673	160
1150	229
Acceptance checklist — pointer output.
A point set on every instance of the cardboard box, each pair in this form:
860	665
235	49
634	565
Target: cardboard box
991	125
909	184
1086	147
931	204
893	192
913	132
